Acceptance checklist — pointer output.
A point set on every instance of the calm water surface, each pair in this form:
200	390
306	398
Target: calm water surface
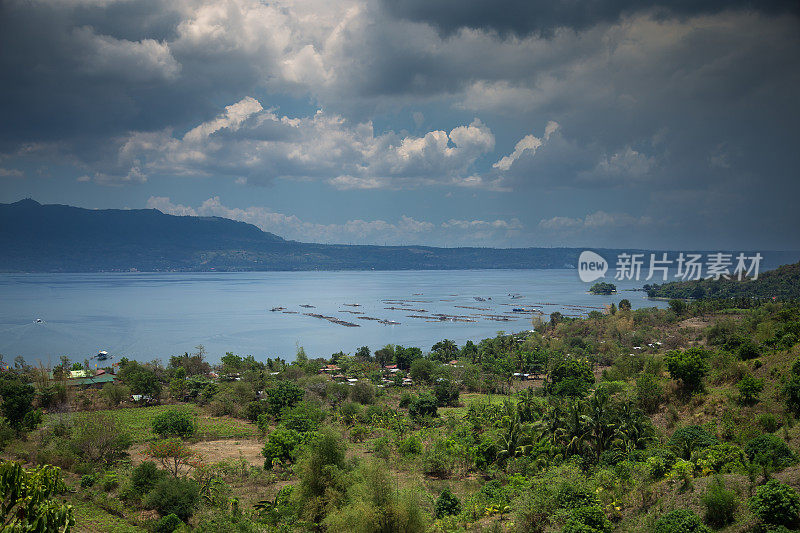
155	315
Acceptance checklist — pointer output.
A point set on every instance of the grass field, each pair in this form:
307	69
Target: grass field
469	398
90	518
138	421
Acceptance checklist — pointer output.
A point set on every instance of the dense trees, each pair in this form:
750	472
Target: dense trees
141	379
571	377
603	288
782	283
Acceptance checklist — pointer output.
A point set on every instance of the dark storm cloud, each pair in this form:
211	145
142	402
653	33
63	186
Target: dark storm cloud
77	72
523	17
665	111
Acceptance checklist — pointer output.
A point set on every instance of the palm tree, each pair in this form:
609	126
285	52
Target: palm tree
512	441
634	429
600	419
571	428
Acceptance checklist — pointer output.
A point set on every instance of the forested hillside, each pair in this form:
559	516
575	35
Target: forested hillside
672	420
782	283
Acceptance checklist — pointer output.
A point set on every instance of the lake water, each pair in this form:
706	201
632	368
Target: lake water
155	315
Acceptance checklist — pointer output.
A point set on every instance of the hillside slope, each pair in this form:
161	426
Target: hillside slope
782	283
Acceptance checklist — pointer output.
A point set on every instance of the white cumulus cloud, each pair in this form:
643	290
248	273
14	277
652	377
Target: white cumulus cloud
529	144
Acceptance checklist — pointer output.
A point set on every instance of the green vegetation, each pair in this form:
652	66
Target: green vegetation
138	423
603	288
174	496
776	504
175	423
782	283
672	420
689	366
29	499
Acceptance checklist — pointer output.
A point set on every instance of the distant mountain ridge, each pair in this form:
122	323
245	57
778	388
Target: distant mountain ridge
61	238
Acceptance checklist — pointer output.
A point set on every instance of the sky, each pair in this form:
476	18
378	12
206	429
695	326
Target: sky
599	123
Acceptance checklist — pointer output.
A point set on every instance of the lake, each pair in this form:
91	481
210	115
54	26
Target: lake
149	316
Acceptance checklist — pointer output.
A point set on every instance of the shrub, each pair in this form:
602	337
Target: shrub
680	521
747	350
303	417
722	458
87	481
768	422
687	439
98	441
588	519
382	447
749	389
720	504
678	306
648	392
660	463
168	524
405	400
349	412
363	393
446	392
282	445
683	472
286	394
421	370
485	451
410	446
358	433
7	433
572	495
263	423
175	423
791	392
689	366
145	476
375	505
254	409
437	460
114	394
322	475
109	481
174	495
776	504
771	451
16	401
423	406
447	504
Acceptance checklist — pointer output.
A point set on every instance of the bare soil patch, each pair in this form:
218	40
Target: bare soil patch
214	451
